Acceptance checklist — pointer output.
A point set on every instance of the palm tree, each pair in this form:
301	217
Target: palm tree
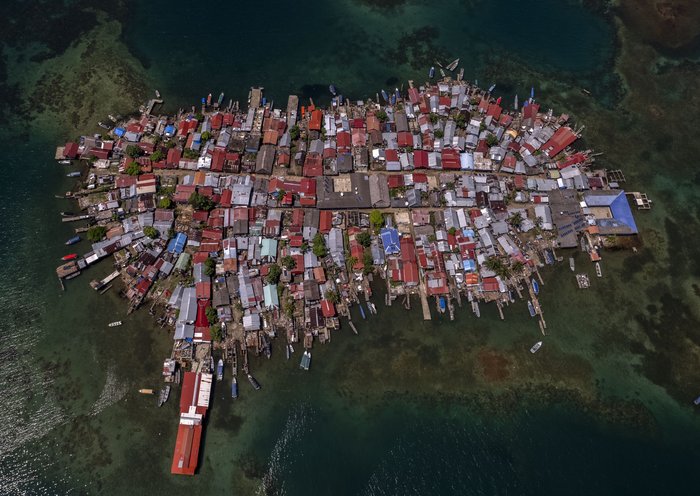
516	219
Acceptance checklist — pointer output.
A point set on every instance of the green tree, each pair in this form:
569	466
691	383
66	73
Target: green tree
96	233
452	231
133	169
190	154
381	115
206	136
273	274
376	219
434	118
439	133
165	202
289	307
491	140
200	202
199	116
151	232
516	219
518	267
212	315
294	132
157	156
210	267
216	332
304	247
318	245
133	151
332	296
364	238
368	262
352	261
288	262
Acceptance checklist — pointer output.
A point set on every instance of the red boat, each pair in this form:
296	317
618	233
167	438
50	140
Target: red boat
70	256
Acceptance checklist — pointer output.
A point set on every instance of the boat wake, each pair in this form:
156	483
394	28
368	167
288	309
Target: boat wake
297	424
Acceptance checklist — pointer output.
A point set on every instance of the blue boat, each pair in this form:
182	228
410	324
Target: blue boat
73	240
531	308
393	99
431	73
234	388
305	360
385	96
443	306
697	400
73	174
333	90
535	287
362	312
341	99
397	94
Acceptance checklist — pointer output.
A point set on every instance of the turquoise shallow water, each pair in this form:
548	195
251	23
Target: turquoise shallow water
407	407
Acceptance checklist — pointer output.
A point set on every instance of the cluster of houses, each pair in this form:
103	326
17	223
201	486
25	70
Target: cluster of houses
248	218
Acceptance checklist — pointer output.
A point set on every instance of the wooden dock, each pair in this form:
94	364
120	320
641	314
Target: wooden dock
641	200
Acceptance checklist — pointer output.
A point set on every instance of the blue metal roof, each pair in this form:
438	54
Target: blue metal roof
390	240
177	244
119	131
619	208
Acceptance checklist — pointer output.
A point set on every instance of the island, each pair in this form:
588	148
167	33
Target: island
242	227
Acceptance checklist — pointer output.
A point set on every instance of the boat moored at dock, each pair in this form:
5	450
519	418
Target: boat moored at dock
220	370
305	360
234	387
535	287
70	256
163	395
73	240
572	264
531	308
598	270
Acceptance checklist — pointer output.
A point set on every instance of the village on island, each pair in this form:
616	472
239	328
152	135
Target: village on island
240	227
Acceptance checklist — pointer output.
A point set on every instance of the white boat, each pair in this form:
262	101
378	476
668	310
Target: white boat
536	347
598	271
453	65
64	162
115	324
572	264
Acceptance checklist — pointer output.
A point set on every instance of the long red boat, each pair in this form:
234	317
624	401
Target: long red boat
70	256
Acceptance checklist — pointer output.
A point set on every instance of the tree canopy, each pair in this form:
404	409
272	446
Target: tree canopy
210	267
157	156
165	202
133	169
200	202
376	219
364	238
133	151
318	245
96	233
288	262
151	232
273	274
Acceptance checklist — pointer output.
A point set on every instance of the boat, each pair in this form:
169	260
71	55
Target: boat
492	87
64	162
209	100
385	96
461	74
397	94
73	174
362	312
598	271
114	119
211	365
163	396
66	213
697	400
531	308
305	360
442	73
234	388
341	99
116	323
253	382
70	256
572	264
536	347
372	307
333	90
104	125
289	353
146	391
220	370
73	240
431	73
157	94
535	287
453	65
221	99
290	347
515	103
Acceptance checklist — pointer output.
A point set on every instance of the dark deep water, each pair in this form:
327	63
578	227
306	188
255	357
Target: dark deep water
407	407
